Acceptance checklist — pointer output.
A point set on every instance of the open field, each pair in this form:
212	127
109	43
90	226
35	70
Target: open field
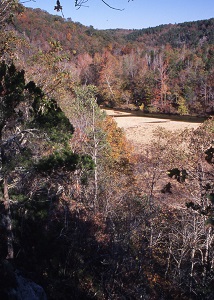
139	129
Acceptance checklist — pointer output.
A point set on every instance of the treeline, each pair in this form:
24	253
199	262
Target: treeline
188	33
166	69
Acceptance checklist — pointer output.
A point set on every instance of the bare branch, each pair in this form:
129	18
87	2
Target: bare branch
27	1
19	136
111	6
80	3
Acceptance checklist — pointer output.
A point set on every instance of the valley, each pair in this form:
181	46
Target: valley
140	129
115	205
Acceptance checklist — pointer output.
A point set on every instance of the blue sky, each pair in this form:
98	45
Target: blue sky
137	14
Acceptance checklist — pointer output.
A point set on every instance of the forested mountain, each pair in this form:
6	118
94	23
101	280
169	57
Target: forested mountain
166	69
189	33
81	215
40	25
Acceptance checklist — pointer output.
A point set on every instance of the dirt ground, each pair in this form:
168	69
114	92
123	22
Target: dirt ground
139	130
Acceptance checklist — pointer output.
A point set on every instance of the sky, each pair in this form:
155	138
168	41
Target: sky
134	14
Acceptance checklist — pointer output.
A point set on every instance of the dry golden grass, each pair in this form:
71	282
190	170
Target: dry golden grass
139	129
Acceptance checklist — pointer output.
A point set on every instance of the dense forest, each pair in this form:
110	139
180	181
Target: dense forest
166	69
82	216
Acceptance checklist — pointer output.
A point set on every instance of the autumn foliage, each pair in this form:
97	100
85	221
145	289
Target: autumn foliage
82	215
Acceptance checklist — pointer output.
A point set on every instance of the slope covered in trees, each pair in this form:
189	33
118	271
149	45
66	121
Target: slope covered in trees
166	69
81	215
188	33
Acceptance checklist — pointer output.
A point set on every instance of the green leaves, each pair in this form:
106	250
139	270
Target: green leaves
66	160
211	198
12	85
50	118
31	125
179	175
210	155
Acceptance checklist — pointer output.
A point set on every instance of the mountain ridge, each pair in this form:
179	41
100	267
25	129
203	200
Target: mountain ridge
35	22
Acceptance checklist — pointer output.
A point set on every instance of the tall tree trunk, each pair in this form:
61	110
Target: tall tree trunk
6	202
8	221
207	260
95	153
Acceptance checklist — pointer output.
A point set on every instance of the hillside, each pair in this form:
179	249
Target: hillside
165	69
190	34
41	26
